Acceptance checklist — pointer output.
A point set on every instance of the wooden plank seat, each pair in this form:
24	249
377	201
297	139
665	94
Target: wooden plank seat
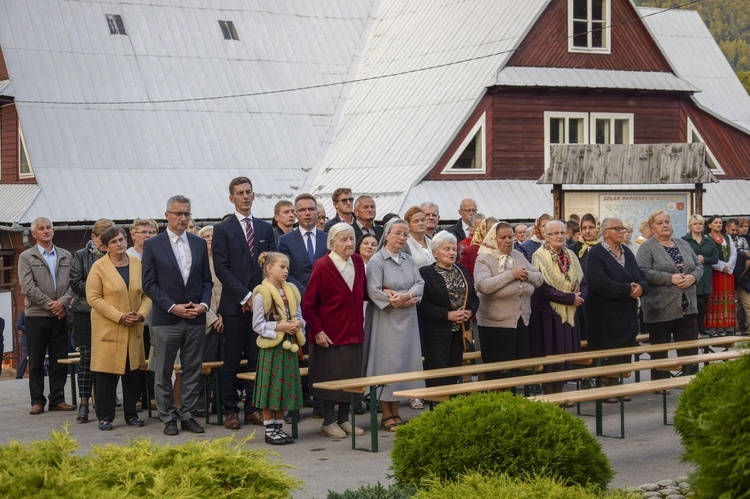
295	414
641	338
591	356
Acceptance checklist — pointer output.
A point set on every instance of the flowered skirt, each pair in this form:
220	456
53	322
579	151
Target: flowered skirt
277	382
721	311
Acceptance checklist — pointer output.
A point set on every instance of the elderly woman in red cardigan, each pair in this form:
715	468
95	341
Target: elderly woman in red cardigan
333	308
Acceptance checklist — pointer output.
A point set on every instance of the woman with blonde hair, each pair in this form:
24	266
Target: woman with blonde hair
418	244
708	255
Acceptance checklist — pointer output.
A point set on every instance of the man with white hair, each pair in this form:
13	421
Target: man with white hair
432	218
43	271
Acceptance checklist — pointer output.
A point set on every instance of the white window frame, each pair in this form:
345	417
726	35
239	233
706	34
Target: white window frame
480	130
548	115
693	130
606	33
612	117
22	143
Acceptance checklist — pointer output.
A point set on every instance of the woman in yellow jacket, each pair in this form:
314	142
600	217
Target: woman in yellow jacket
118	308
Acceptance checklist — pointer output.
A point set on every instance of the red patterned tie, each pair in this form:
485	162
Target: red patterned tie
249	235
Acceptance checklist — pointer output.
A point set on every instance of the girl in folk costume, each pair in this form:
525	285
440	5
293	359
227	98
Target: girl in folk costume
721	314
277	318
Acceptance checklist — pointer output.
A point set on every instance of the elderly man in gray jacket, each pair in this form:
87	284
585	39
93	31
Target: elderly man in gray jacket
43	272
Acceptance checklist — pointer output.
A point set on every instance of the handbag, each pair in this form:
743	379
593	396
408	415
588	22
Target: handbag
469	343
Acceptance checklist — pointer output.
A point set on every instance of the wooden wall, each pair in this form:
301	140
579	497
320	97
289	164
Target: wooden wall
633	49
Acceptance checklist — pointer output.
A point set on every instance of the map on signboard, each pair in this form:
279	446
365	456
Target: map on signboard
635	208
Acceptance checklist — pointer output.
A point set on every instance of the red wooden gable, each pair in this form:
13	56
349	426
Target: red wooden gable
633	49
3	68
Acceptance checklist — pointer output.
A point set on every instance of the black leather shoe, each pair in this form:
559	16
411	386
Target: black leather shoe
192	426
171	428
83	413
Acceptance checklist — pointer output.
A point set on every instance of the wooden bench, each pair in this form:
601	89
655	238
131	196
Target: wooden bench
442	393
641	338
210	375
360	386
620	391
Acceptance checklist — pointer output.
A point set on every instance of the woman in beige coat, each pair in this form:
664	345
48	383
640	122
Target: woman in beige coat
118	309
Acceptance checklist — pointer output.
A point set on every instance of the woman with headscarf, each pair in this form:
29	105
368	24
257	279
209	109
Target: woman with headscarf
536	240
505	281
392	343
332	306
469	255
554	324
590	237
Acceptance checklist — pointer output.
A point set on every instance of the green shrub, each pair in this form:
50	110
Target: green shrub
722	452
477	486
500	433
374	492
701	395
196	469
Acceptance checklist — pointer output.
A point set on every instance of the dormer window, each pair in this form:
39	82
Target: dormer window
116	26
589	26
470	155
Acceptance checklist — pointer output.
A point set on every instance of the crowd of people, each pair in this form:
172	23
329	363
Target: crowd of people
355	298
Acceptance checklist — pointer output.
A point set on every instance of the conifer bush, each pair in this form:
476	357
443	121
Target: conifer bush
475	485
498	433
213	468
716	437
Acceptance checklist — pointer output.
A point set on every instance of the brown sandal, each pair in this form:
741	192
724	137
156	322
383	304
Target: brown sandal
390	426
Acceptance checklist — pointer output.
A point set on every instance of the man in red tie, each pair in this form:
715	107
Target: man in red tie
237	243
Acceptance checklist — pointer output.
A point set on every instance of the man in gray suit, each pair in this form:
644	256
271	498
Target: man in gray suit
177	278
43	271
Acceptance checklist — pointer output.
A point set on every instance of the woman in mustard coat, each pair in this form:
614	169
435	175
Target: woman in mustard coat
118	308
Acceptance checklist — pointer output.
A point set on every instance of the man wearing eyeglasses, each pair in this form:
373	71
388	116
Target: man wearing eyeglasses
237	243
177	278
343	201
462	228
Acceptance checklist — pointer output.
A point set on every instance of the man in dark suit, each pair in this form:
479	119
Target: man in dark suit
177	278
467	208
364	221
343	202
305	244
237	243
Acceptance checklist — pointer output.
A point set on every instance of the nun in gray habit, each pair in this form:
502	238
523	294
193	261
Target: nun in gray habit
392	345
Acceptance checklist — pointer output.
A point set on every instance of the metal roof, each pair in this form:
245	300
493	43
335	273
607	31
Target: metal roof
592	78
393	129
627	164
15	200
6	89
503	199
695	56
124	122
728	197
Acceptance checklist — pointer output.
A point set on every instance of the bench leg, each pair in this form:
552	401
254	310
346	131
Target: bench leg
219	400
664	405
295	424
373	419
206	380
598	405
622	418
148	392
353	415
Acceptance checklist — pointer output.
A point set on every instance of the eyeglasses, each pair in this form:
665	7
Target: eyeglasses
556	234
180	214
345	200
145	232
617	229
470	210
401	234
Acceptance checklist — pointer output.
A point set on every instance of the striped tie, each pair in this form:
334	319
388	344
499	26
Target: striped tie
249	235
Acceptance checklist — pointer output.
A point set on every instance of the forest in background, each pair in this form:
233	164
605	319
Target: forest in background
728	21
